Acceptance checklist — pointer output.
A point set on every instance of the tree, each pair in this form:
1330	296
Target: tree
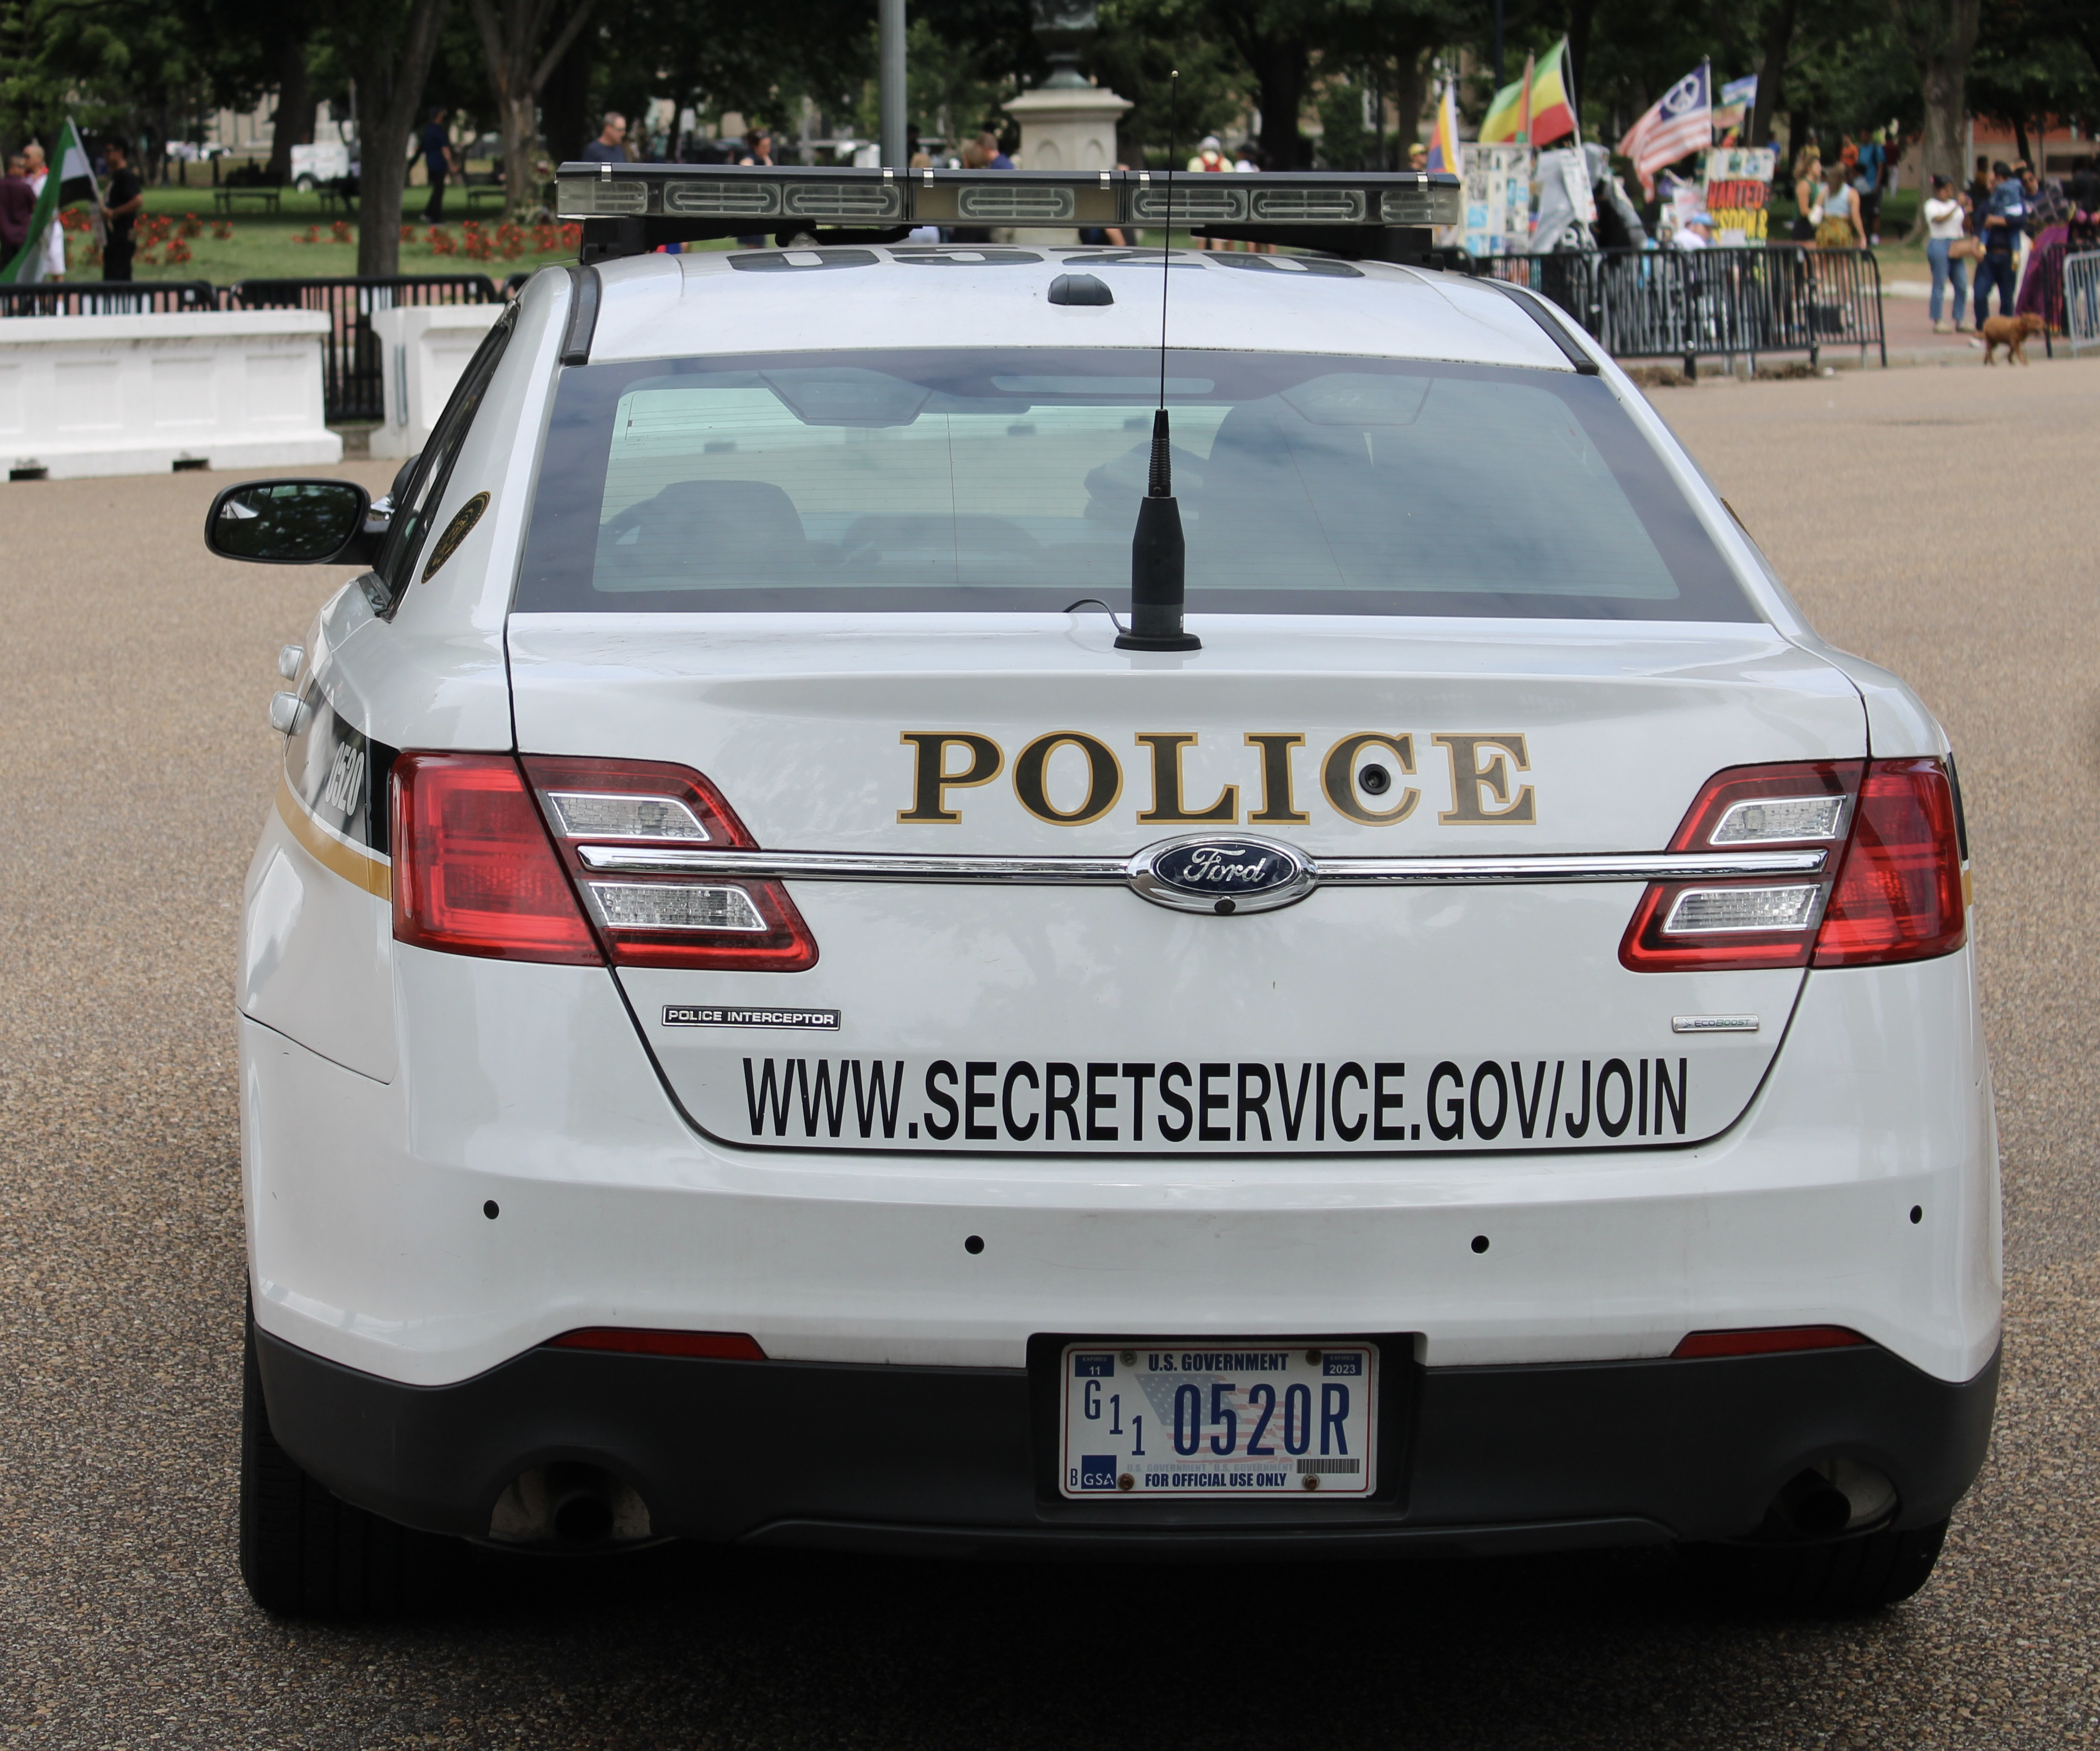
2035	61
1940	35
514	36
386	45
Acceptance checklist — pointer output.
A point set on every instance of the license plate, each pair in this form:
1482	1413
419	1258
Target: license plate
1195	1420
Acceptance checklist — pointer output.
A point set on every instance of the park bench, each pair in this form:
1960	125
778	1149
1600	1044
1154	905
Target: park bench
267	194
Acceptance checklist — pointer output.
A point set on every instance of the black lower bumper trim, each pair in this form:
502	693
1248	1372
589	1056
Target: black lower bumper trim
949	1460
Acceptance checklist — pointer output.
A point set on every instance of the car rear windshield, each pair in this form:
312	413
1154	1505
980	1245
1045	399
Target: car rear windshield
1009	480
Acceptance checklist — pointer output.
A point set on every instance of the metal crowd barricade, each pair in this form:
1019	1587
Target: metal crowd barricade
354	379
1693	303
2081	300
115	297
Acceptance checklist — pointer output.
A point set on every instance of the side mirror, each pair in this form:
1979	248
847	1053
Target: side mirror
292	523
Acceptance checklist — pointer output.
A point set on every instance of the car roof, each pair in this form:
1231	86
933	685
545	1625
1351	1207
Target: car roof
773	300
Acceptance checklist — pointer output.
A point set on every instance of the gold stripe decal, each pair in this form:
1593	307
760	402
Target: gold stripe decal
355	866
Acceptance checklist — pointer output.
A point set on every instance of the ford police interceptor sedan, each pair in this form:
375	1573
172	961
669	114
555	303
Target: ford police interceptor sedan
770	1010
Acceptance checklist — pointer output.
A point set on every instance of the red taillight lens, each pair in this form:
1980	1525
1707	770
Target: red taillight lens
681	917
1766	1340
1890	891
1684	926
1899	893
637	1340
474	871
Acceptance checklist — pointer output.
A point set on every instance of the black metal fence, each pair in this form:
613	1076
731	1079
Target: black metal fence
114	298
353	371
1688	304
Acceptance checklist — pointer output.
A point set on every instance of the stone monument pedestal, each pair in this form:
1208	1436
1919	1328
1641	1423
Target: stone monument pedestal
1068	127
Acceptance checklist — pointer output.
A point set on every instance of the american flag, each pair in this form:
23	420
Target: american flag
1683	122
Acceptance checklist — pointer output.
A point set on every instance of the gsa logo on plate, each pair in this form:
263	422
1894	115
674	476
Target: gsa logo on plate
1223	873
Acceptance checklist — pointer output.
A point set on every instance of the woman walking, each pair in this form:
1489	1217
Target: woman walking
1945	227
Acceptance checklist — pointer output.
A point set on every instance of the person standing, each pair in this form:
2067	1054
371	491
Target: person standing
121	204
995	158
1840	227
1867	185
1807	190
757	150
53	267
17	201
610	147
1943	220
439	161
2002	227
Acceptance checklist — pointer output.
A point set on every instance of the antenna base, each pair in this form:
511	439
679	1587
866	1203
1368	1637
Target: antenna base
1165	642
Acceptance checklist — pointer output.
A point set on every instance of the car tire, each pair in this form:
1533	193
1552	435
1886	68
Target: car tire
305	1553
304	185
1842	1577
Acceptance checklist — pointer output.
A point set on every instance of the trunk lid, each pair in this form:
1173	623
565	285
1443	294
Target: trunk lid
1070	1018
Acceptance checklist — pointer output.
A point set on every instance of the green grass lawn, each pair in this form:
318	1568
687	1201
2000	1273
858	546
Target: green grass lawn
270	245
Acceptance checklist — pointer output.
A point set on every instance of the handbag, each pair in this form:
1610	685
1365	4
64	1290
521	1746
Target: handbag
1815	214
1965	249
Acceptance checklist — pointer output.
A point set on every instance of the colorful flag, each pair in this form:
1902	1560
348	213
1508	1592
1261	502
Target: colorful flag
1444	143
1738	98
1509	116
1553	99
1680	122
71	177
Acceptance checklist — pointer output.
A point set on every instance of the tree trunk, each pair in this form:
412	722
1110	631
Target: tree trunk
297	105
390	70
1941	35
510	39
2020	141
565	102
1410	94
1772	75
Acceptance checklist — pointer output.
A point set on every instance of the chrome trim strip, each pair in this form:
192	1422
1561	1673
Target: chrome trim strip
1397	872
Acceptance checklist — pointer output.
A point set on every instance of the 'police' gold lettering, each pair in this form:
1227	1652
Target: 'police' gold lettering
1338	777
1167	808
1104	777
931	779
1470	780
1279	808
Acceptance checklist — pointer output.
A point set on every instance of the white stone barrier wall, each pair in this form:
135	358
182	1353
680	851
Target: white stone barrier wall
424	348
141	394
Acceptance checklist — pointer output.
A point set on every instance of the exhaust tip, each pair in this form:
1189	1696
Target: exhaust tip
569	1506
1831	1500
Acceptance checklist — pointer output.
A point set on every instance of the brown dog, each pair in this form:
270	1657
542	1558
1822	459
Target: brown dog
2011	332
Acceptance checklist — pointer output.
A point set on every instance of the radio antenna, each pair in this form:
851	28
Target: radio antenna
1158	552
1167	241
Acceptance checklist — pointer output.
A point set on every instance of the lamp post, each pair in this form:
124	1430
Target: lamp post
890	87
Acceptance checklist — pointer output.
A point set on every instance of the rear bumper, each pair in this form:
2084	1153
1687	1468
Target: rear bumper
955	1461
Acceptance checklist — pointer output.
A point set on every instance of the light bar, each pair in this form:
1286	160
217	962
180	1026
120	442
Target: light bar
796	196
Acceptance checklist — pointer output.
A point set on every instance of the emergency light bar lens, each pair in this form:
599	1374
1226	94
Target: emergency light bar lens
650	906
715	201
1018	203
584	815
1303	207
602	197
1204	204
1778	818
1704	910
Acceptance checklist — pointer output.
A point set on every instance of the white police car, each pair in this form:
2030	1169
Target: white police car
769	1013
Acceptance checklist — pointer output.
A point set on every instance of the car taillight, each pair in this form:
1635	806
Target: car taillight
1889	889
1899	895
682	919
474	871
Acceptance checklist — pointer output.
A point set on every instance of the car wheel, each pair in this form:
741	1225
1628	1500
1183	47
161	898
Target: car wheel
303	1553
304	185
1839	1578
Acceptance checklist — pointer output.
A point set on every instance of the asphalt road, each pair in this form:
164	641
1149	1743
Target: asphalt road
1940	521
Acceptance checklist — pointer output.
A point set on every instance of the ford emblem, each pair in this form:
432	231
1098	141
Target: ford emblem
1225	873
